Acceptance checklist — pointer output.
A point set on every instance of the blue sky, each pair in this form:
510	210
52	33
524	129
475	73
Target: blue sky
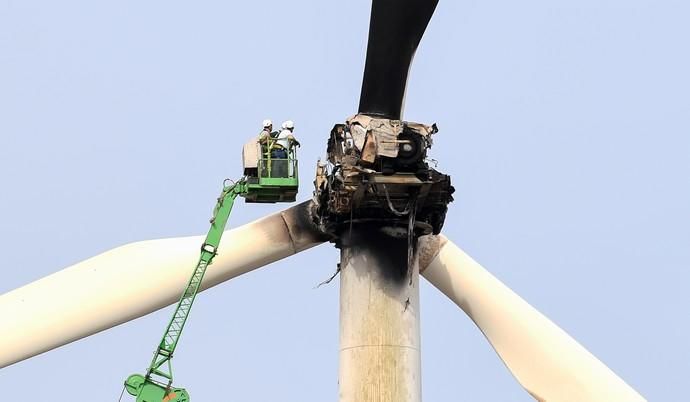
564	125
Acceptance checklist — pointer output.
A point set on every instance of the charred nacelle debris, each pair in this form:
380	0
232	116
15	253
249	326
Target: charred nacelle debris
376	172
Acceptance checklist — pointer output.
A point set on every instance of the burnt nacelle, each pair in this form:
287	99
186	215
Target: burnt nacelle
377	171
382	145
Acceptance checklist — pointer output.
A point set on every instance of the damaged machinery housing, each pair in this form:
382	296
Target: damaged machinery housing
377	172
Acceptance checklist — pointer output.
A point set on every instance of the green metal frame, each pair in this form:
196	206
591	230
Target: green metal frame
268	189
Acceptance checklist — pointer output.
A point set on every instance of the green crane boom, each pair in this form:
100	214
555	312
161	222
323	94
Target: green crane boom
267	179
156	385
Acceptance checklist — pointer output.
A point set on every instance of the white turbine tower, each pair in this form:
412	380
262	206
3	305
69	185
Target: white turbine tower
380	358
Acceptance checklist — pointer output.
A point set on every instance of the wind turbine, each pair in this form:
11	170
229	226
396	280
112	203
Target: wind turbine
520	335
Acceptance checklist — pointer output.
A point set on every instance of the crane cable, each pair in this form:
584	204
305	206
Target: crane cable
121	393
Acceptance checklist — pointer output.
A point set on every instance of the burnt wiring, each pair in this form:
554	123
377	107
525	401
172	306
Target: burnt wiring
411	212
410	236
392	208
329	280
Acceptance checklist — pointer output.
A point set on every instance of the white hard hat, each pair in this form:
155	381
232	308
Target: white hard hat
289	124
267	123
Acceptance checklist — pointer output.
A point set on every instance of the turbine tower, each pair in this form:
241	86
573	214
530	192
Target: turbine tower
375	197
378	201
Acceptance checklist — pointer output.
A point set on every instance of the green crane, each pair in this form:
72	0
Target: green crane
156	385
259	185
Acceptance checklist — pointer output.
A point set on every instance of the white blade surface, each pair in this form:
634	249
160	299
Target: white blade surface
546	361
136	279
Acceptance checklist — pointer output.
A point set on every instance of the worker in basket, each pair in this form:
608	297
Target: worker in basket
279	145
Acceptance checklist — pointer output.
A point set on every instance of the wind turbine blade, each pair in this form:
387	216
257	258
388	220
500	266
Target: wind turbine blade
136	279
544	359
395	30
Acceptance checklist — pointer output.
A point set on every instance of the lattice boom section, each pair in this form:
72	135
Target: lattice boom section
183	308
